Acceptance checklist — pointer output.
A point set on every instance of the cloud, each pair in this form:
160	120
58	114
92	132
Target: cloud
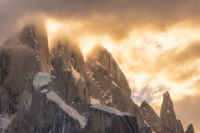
115	18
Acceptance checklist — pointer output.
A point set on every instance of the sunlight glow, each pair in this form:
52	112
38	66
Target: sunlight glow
137	55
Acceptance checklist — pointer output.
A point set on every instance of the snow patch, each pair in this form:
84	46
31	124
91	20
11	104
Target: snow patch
168	111
76	75
147	124
109	110
69	110
99	64
94	101
26	99
115	84
44	91
42	79
5	120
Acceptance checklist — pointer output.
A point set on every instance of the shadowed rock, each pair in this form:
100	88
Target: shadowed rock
145	130
190	129
104	119
69	68
151	118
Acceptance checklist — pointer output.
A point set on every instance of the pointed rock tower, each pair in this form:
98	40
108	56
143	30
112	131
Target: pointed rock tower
151	118
190	129
168	116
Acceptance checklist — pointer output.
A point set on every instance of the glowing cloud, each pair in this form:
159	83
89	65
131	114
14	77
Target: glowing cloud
152	61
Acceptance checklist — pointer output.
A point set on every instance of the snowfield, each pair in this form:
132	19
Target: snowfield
109	110
42	79
69	110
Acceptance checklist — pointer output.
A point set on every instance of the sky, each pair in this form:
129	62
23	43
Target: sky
155	42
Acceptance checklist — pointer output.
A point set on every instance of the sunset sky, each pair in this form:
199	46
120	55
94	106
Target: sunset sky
155	42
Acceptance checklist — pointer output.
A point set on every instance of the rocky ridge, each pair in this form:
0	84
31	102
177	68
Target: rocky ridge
167	122
54	90
190	129
108	84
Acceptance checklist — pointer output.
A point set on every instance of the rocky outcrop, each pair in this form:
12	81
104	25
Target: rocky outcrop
104	119
151	118
61	106
145	130
168	116
190	129
167	122
107	65
107	83
19	63
44	111
68	66
22	57
53	90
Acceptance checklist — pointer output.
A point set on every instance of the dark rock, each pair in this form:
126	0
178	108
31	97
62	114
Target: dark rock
105	119
151	118
190	129
68	66
145	130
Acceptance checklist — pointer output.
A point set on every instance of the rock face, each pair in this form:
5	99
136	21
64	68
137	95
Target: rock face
33	100
108	65
190	129
104	119
68	66
108	84
168	116
46	112
145	130
167	122
19	63
151	118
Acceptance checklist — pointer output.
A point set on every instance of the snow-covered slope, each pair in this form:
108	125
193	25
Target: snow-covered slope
69	110
109	110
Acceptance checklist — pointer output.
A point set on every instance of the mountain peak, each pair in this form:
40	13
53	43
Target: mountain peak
103	60
144	103
151	118
167	95
190	129
168	116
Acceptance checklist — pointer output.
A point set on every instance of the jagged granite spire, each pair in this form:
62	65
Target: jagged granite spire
168	116
101	55
108	84
151	118
190	129
42	92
